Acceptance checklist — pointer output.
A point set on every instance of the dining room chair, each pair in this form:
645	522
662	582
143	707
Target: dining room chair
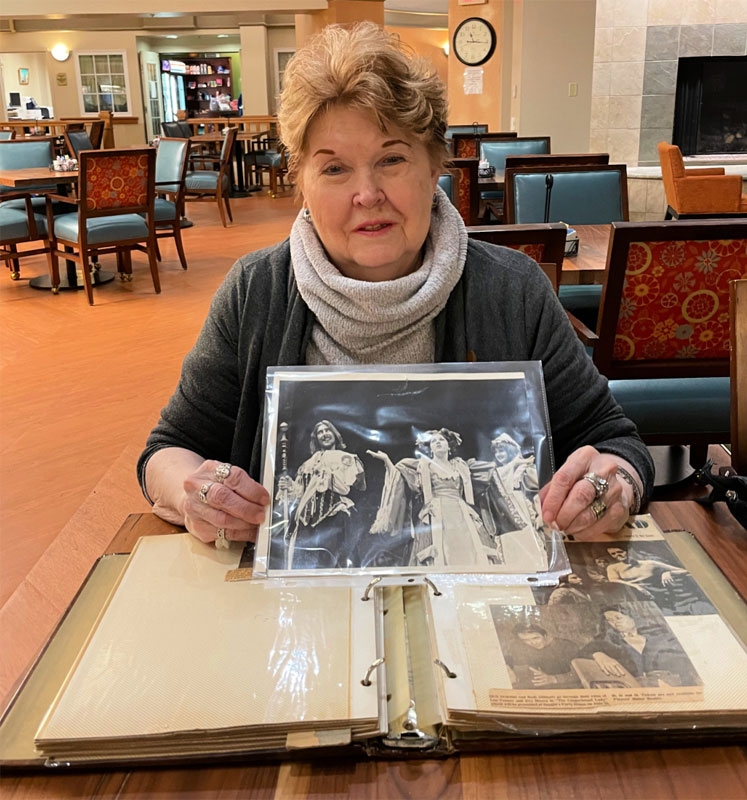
580	194
545	160
545	243
173	130
96	134
697	192
114	188
475	128
268	157
214	184
663	330
738	373
7	135
467	145
19	225
77	140
459	181
172	161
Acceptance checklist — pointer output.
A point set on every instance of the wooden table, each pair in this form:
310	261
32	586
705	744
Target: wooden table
496	183
680	772
590	265
28	179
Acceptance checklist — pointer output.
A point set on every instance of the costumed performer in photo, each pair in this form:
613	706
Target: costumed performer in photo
320	535
378	269
432	497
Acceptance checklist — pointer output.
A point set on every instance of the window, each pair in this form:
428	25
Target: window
282	57
102	79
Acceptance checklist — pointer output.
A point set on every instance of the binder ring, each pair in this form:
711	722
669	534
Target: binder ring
374	664
449	673
367	593
436	592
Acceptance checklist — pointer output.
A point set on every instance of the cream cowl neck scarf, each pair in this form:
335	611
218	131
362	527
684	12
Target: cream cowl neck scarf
384	322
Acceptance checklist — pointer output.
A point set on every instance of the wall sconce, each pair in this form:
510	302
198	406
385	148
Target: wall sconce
60	52
445	48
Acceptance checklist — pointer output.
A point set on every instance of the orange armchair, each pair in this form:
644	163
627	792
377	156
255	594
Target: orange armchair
702	191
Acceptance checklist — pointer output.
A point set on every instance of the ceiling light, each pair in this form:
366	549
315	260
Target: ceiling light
60	52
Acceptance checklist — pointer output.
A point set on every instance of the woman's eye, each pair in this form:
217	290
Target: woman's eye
393	159
333	169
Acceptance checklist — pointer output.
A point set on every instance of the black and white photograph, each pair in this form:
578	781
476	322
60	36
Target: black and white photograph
627	571
427	471
579	646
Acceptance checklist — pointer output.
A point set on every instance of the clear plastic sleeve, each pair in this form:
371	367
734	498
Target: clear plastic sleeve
411	470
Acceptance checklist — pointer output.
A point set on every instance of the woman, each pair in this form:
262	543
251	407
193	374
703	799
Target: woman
445	528
317	535
378	269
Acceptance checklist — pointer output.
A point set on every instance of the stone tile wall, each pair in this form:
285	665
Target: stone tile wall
637	45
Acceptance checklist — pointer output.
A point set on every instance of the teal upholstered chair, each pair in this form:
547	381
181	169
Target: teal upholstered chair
214	184
115	187
446	182
467	145
75	141
17	225
6	135
663	334
495	153
593	194
20	154
172	159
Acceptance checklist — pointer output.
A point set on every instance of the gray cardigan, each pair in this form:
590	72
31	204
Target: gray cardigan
502	309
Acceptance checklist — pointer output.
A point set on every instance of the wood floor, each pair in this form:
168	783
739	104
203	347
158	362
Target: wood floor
81	385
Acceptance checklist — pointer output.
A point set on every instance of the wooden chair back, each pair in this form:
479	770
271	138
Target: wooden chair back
585	194
738	373
558	160
465	192
467	145
664	311
545	243
96	134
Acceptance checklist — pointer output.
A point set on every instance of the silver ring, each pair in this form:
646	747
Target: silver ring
598	508
600	484
221	543
222	471
205	488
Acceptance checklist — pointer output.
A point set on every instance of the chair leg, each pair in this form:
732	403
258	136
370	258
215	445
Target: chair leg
228	206
219	201
14	263
698	455
158	251
54	269
86	275
154	265
179	244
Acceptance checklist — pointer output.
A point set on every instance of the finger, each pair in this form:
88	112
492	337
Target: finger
576	503
612	520
226	510
556	492
244	535
246	487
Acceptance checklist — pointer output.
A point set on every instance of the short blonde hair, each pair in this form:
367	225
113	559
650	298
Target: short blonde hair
362	67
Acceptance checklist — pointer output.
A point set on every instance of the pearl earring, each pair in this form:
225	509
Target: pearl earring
306	215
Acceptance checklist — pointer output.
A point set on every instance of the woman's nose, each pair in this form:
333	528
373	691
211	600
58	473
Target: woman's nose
368	192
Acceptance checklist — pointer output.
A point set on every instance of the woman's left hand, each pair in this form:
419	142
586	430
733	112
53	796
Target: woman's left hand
567	498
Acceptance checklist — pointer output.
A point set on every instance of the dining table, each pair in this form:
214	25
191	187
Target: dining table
683	768
30	178
589	265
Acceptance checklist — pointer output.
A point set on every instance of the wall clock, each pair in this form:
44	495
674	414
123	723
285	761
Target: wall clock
474	41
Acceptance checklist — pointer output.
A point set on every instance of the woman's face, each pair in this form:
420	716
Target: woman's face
439	446
620	622
369	194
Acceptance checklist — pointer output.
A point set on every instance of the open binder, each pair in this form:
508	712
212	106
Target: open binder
181	665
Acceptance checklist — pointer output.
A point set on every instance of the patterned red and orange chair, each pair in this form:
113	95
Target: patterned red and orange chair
115	187
664	327
459	181
544	242
467	145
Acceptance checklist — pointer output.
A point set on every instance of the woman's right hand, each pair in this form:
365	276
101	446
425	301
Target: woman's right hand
238	504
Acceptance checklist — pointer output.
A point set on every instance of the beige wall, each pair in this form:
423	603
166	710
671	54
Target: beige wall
485	107
557	48
38	85
338	11
429	43
281	38
66	99
255	72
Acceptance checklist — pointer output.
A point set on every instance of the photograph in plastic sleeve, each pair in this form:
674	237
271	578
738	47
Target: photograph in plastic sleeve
416	468
614	646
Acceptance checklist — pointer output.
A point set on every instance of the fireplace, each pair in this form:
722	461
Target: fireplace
710	112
